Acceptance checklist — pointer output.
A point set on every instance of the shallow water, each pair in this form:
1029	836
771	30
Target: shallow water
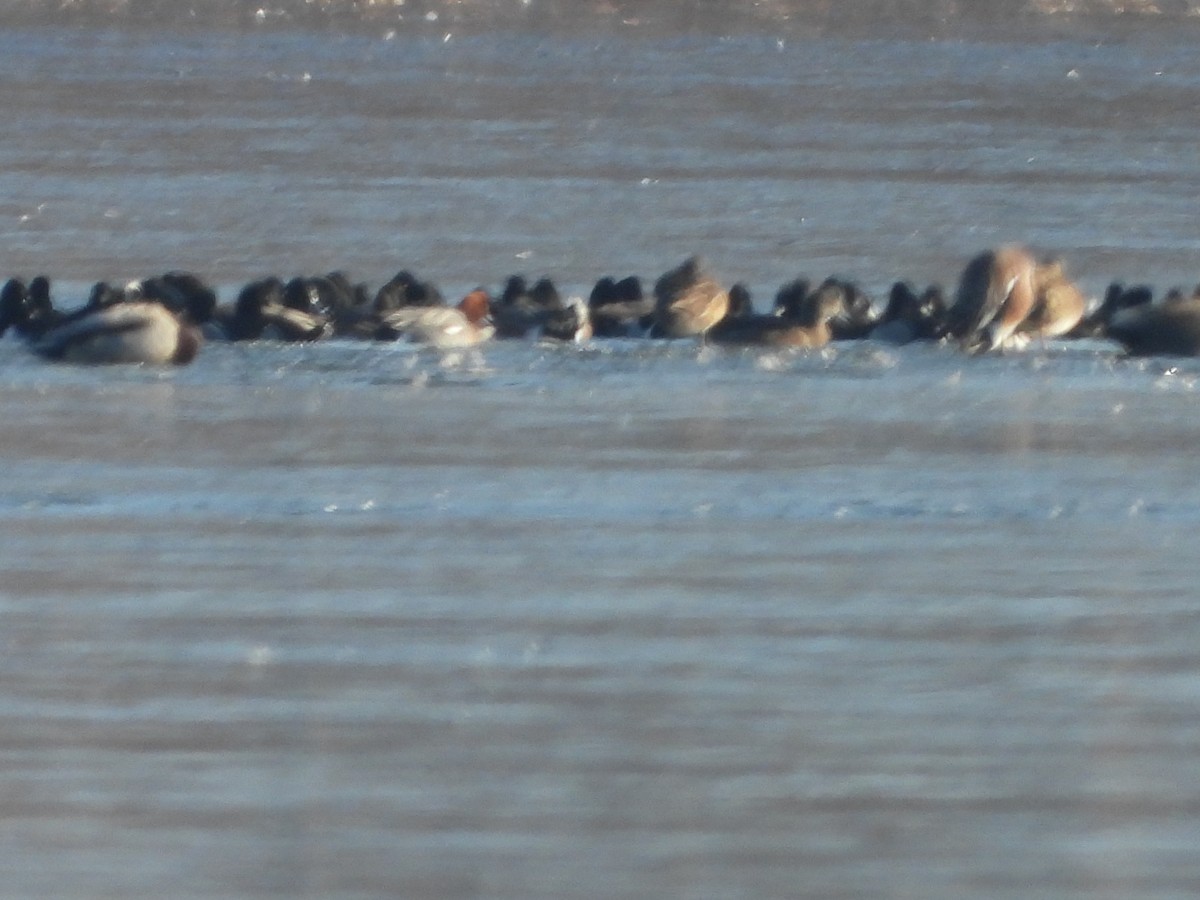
624	620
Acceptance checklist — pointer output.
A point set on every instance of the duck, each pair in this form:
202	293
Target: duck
404	289
688	301
42	314
571	325
31	313
446	327
261	313
182	293
344	307
996	292
789	299
1158	329
911	317
135	331
856	316
394	306
1058	306
741	301
14	306
853	321
350	305
522	311
809	328
103	295
357	292
244	319
620	309
1116	298
330	296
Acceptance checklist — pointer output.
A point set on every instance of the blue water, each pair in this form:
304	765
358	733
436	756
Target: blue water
241	154
624	620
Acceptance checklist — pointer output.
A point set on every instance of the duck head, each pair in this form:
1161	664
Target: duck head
103	295
789	299
14	304
740	301
476	306
403	290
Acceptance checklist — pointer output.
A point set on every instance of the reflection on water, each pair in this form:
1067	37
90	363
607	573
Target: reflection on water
626	620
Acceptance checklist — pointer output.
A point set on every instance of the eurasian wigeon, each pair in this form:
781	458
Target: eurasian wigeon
995	293
130	332
688	301
446	327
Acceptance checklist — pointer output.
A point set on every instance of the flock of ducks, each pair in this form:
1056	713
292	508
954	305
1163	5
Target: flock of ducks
1006	297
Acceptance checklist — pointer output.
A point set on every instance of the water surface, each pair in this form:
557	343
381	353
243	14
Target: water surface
624	620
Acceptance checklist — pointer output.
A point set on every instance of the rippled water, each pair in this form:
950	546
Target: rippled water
623	620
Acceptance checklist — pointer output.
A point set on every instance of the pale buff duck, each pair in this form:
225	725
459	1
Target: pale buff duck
1058	307
688	301
996	292
807	330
